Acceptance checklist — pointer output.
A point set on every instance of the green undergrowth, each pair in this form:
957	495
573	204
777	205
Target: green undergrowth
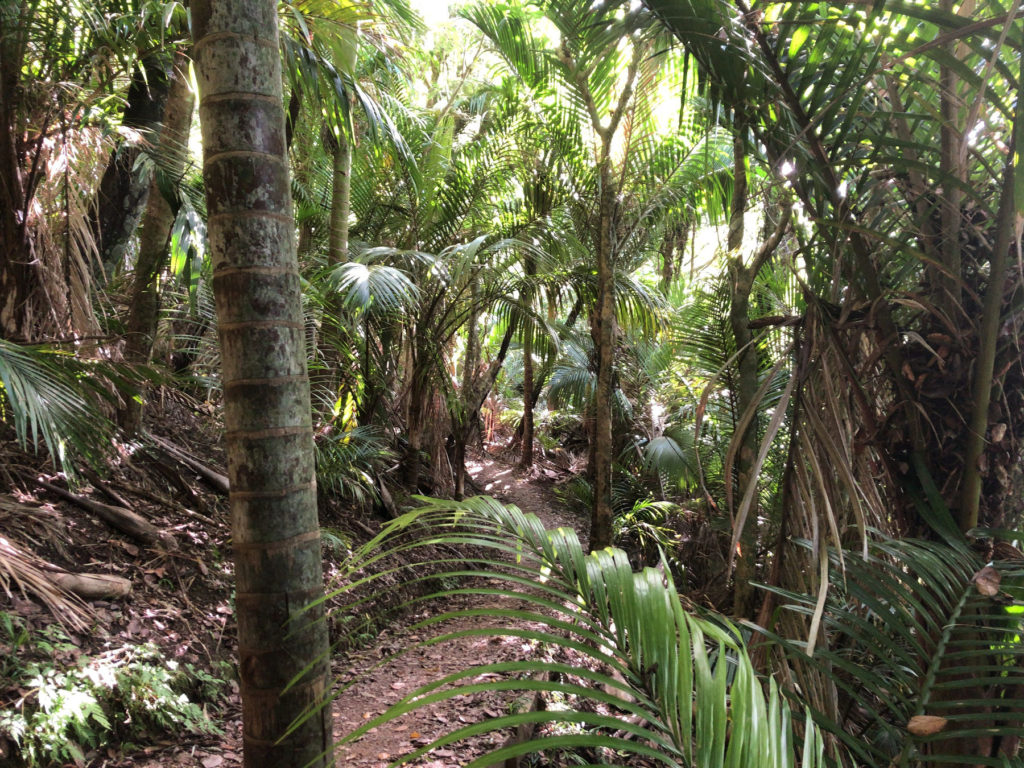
58	705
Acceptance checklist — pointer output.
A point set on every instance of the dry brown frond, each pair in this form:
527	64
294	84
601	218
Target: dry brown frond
30	574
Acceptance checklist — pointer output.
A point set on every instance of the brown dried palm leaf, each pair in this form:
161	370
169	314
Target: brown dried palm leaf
30	574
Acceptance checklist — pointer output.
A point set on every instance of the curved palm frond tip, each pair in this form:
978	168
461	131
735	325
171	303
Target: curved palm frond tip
645	678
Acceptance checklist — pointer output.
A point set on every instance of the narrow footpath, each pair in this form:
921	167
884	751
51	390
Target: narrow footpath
374	692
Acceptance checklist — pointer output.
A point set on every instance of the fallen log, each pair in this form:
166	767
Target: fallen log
91	586
118	518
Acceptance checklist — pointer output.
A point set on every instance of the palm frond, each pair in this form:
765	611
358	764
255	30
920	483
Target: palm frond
693	697
919	629
54	400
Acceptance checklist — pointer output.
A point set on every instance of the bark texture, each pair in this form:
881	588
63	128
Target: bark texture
741	284
604	337
23	302
283	645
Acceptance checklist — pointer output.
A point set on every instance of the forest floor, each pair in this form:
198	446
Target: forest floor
181	603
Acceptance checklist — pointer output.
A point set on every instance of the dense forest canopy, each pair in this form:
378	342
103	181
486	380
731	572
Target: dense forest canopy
746	276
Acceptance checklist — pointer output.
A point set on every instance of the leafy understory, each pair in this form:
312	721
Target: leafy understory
924	642
125	694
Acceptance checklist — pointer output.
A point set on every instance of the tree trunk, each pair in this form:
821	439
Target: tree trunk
155	233
418	392
988	336
341	202
463	427
601	513
945	282
673	248
20	278
742	283
526	455
124	192
283	645
529	398
337	251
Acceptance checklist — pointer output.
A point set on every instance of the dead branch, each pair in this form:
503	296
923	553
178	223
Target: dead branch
214	479
118	518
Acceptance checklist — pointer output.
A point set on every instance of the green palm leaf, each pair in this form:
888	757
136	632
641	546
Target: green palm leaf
909	632
695	699
54	399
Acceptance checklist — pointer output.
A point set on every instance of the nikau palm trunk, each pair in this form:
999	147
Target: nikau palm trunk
283	646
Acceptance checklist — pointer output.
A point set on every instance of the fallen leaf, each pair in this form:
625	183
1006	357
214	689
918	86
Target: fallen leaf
926	725
414	735
212	761
987	581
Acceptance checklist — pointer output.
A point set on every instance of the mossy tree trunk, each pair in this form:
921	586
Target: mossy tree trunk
283	645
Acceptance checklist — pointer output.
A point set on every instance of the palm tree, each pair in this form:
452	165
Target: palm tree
910	225
599	82
283	645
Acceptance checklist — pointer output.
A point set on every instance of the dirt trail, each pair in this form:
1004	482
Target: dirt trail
374	693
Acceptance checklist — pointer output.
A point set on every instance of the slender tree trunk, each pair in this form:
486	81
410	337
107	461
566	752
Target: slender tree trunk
742	282
526	455
418	392
1007	220
953	171
124	192
341	202
463	427
673	249
529	399
337	250
601	514
284	664
155	233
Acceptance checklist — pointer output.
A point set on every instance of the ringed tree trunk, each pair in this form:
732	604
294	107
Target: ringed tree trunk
341	200
283	644
155	233
337	246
